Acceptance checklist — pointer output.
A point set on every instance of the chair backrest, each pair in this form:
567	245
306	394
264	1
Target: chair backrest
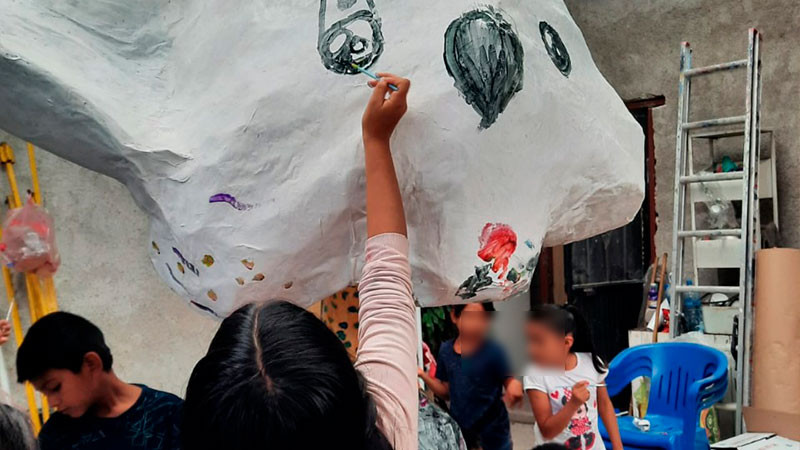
672	368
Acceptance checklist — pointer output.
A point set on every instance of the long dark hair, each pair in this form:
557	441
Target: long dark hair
566	319
276	377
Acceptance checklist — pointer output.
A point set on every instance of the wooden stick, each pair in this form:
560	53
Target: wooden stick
653	275
660	296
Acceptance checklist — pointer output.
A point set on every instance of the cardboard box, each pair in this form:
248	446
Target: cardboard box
757	441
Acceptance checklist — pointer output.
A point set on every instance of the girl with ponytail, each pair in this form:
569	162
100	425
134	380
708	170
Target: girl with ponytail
565	381
275	377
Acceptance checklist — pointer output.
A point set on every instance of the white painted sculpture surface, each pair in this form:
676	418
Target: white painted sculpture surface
236	127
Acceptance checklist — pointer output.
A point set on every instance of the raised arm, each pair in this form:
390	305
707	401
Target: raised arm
387	327
385	212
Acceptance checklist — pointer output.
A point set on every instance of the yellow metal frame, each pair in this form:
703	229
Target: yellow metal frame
41	292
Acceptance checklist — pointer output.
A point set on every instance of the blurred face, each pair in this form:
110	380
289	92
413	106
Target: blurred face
547	347
473	323
70	393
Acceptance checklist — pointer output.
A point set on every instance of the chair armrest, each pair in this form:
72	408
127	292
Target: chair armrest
704	393
709	390
631	363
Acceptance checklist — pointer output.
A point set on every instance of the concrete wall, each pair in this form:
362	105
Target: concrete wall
107	277
636	45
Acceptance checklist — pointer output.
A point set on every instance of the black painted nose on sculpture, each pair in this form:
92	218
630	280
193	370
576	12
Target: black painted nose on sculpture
483	54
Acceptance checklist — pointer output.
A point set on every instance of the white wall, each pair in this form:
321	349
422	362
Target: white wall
106	276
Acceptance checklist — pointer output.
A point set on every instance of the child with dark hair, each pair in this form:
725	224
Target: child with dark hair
472	371
66	358
275	377
565	383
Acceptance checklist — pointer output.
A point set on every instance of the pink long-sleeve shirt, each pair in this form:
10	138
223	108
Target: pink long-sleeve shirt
387	338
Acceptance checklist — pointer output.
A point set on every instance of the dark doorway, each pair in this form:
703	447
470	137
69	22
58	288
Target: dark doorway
604	274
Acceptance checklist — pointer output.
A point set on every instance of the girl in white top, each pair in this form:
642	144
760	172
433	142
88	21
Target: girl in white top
565	381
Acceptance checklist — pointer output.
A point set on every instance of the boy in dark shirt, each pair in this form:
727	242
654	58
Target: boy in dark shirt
66	358
472	371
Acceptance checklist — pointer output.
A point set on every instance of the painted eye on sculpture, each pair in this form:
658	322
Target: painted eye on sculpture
354	38
555	48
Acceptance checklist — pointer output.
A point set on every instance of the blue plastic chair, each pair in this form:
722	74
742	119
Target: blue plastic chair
684	380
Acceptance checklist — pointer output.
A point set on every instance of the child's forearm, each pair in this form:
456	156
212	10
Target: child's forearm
556	423
385	212
550	424
439	388
606	411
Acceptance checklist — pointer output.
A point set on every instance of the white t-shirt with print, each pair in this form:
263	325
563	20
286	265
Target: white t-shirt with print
582	432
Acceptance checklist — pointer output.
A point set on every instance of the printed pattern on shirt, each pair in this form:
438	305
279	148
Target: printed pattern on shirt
580	426
152	424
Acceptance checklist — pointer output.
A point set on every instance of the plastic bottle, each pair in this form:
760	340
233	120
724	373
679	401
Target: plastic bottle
693	310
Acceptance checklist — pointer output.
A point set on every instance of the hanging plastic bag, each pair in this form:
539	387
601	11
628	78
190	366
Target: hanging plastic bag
28	243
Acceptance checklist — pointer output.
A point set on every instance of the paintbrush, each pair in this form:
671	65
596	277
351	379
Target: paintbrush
10	309
371	75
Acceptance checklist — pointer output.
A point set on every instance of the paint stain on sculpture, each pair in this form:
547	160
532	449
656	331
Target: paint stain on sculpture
480	280
175	279
208	260
344	5
483	54
505	270
355	38
204	308
231	200
498	243
555	48
186	262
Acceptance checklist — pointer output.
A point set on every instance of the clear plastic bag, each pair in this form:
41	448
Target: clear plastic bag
28	243
719	213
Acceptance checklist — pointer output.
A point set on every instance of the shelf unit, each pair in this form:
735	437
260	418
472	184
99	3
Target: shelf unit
723	252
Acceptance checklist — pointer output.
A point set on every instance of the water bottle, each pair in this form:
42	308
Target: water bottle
693	310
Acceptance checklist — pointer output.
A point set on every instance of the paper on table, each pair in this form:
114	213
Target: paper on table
238	131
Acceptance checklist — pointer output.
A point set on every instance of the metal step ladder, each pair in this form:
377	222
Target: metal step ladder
749	232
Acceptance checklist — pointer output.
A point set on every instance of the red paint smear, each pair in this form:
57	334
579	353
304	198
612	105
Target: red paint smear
498	242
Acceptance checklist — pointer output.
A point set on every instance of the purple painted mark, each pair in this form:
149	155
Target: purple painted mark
186	262
204	308
231	200
175	279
